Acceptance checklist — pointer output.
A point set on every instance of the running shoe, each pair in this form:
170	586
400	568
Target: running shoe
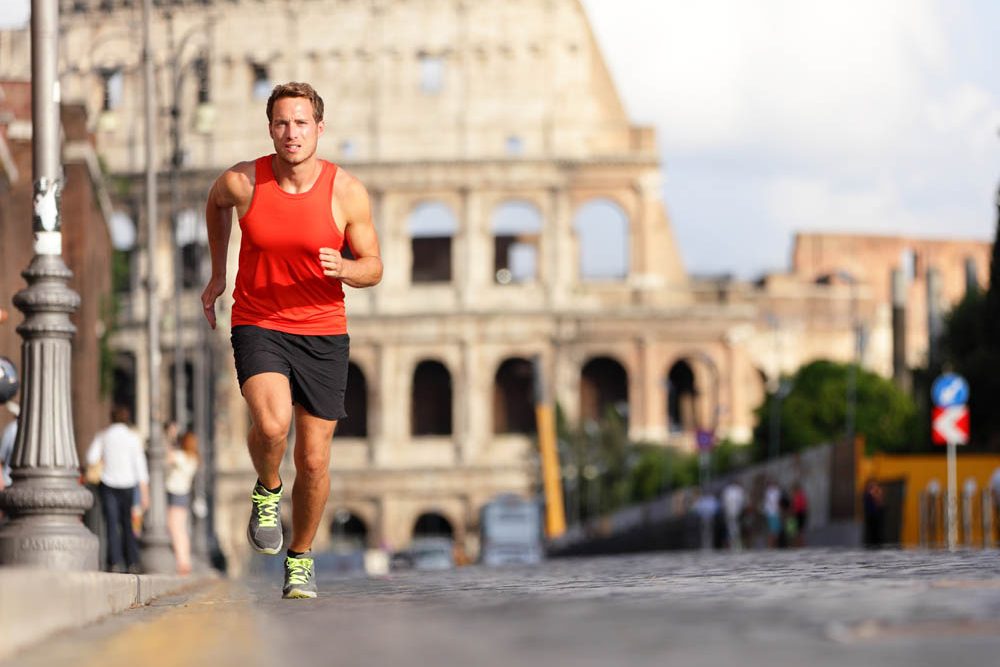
300	578
264	530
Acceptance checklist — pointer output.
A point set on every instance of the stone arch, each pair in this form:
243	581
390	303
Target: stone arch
348	530
603	385
694	393
681	396
757	389
355	404
513	397
516	226
433	524
187	385
431	226
431	399
124	385
602	229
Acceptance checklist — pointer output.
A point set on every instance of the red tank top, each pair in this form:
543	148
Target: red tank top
280	284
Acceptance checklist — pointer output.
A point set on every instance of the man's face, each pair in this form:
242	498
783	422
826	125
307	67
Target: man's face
293	129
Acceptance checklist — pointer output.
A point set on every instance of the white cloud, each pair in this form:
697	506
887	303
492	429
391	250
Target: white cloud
14	13
851	115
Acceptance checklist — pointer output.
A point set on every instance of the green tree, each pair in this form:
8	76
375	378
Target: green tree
815	411
971	347
970	350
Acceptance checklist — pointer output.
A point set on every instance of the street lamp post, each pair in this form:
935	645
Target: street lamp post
46	500
202	357
777	398
177	73
156	553
857	353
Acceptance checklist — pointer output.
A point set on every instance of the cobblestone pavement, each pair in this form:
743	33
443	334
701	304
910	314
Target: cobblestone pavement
796	607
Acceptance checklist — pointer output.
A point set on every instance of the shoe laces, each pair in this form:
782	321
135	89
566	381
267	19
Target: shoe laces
267	508
299	570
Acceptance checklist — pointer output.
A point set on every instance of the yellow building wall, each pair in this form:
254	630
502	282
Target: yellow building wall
917	471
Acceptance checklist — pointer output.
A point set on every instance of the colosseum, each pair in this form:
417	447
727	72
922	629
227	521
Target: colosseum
521	218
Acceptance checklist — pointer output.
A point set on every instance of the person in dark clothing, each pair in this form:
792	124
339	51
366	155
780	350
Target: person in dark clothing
874	508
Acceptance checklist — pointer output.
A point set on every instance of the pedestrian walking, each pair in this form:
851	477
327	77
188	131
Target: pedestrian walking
874	511
771	509
9	385
733	502
182	465
117	454
800	509
707	508
289	328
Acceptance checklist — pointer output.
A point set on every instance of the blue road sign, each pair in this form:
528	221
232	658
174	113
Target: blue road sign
705	440
950	389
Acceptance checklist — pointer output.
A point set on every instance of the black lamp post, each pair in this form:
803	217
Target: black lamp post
46	501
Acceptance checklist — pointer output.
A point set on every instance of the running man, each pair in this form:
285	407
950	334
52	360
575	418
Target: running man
289	329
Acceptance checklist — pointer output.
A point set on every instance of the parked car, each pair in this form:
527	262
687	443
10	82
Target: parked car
425	553
511	532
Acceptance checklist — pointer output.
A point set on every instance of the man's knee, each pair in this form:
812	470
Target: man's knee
272	428
312	465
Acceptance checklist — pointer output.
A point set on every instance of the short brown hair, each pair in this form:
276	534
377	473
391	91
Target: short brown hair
189	443
120	414
296	89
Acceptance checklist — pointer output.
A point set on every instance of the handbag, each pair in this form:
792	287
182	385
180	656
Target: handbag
92	473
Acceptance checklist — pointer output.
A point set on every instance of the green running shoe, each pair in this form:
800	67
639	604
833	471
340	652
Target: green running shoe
264	531
300	578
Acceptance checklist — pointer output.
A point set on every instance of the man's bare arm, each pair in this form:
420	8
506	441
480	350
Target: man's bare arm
365	270
233	189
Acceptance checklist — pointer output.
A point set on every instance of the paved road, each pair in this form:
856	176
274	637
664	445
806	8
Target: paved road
772	608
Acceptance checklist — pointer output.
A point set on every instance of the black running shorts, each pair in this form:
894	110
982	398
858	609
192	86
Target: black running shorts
316	366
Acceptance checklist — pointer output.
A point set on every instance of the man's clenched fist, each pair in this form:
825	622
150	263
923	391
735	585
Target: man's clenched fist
332	262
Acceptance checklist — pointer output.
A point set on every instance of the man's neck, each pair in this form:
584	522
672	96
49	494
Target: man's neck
295	178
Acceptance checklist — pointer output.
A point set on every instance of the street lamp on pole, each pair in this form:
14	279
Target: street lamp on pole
46	501
178	70
156	553
857	340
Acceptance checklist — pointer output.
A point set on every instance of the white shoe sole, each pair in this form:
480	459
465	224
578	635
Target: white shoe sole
296	594
269	552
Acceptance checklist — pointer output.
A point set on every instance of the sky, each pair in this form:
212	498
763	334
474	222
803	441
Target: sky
779	116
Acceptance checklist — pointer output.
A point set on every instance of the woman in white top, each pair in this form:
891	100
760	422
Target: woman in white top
182	464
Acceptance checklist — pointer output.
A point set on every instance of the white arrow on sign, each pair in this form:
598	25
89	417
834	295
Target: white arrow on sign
946	423
949	392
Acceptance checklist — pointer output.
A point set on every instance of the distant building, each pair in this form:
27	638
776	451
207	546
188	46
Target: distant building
520	214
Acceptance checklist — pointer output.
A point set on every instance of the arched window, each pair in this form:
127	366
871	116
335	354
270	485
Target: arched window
183	421
355	404
191	236
431	226
603	387
432	524
513	397
430	404
348	531
123	387
602	231
681	397
516	226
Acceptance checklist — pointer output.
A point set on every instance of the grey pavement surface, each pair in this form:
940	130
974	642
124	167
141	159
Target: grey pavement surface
35	604
795	607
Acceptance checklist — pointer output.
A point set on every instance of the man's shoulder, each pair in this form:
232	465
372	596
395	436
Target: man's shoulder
346	185
245	169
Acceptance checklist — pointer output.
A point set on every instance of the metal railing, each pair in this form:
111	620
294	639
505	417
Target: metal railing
977	514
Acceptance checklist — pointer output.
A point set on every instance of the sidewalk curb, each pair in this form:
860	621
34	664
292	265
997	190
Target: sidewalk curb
37	603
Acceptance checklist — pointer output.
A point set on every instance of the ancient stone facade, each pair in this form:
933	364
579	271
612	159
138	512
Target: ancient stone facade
520	217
